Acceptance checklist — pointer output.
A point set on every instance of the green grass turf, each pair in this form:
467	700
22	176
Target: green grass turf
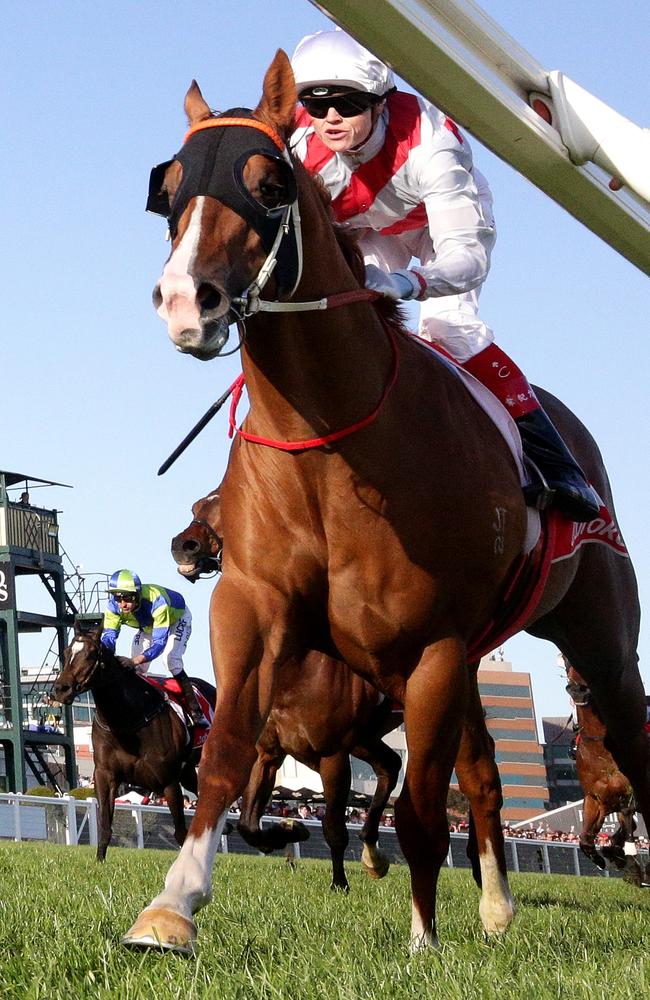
272	934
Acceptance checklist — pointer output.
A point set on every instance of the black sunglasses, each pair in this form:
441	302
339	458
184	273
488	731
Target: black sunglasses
125	597
346	105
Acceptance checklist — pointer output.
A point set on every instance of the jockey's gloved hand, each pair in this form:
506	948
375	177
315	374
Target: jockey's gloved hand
396	284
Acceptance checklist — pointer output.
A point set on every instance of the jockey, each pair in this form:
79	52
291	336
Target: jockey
401	175
164	625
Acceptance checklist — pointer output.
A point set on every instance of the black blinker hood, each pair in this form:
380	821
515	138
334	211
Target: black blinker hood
213	160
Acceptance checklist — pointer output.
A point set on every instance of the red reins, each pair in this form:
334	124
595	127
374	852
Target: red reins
237	387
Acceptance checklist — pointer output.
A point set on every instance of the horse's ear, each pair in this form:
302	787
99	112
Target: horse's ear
196	108
78	630
278	104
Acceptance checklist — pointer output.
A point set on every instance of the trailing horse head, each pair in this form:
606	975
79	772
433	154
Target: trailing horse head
233	176
81	661
198	549
576	687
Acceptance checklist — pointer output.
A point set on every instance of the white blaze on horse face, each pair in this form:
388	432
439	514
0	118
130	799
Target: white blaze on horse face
179	307
497	907
188	885
75	648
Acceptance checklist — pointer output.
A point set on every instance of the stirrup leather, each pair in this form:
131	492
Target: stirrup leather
537	492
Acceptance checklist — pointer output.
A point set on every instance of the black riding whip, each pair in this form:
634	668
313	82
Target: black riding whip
198	427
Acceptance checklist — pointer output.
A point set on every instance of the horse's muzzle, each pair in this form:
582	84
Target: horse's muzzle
192	560
205	343
64	692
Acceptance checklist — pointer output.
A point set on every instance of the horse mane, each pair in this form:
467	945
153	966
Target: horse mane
390	312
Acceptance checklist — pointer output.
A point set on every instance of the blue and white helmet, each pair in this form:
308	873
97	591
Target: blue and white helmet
331	61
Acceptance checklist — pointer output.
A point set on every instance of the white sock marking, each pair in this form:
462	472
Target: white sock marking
188	885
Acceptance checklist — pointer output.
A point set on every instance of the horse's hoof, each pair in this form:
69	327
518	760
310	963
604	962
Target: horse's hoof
496	915
596	858
634	876
297	830
379	869
162	929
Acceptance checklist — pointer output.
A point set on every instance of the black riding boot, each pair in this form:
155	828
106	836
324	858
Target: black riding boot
192	706
568	489
563	484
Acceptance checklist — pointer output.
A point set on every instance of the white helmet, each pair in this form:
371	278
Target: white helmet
331	61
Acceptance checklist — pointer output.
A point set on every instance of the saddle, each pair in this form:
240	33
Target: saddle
196	735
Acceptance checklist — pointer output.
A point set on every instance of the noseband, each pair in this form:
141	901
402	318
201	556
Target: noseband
217	560
579	693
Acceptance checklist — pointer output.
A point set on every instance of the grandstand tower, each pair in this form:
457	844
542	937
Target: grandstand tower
30	552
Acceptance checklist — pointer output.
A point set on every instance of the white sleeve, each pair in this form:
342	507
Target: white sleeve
460	220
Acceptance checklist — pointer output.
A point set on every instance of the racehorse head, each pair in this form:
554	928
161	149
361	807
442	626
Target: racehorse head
81	661
198	548
576	688
230	198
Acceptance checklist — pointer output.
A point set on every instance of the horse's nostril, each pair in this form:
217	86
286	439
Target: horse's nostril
207	297
190	546
156	297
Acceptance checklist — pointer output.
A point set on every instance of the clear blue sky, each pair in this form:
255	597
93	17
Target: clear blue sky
93	393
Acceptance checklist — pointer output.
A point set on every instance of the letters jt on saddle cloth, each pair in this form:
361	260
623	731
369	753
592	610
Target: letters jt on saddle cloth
550	536
172	691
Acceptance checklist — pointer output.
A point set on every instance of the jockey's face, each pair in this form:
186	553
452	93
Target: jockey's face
126	602
341	134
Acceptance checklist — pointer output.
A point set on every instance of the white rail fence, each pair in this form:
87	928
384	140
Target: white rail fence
72	821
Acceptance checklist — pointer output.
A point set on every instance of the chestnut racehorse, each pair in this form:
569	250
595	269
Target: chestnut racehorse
321	714
605	788
137	737
371	507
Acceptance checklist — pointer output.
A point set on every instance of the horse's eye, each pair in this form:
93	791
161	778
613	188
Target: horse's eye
273	195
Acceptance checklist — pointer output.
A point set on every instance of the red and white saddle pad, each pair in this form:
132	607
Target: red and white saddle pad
172	690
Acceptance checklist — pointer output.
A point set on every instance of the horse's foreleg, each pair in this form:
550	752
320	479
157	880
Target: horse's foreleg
336	777
621	704
106	791
168	920
626	842
256	795
593	816
386	764
478	778
434	707
245	668
189	779
174	797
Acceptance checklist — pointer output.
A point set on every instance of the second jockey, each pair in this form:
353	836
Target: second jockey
401	176
164	625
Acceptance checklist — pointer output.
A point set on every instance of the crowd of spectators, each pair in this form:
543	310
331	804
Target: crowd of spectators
304	811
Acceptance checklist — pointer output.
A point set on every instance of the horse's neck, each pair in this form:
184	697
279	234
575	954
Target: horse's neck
315	371
590	722
118	697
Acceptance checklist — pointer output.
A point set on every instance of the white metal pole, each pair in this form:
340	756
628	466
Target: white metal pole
455	55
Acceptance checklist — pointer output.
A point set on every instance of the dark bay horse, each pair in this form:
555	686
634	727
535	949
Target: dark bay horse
137	738
605	787
321	714
372	509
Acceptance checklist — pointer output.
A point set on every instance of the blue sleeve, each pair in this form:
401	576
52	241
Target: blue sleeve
112	625
109	638
159	637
